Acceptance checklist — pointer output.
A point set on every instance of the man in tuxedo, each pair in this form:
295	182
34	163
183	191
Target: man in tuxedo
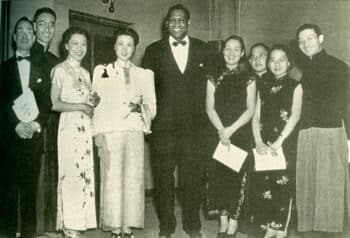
45	25
179	63
23	140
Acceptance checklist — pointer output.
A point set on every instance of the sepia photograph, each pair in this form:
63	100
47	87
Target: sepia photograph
174	118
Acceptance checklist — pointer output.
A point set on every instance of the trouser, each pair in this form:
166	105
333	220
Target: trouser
166	154
22	183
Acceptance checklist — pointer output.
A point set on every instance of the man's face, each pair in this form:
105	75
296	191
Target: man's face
24	36
177	24
309	42
45	26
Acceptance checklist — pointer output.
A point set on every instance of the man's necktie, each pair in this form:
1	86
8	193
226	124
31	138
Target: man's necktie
182	42
20	58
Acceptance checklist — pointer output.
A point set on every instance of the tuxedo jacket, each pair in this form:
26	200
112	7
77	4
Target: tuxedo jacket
10	89
180	96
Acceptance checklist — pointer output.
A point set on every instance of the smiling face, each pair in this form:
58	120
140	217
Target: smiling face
177	24
45	26
232	53
24	36
258	59
309	42
77	47
124	47
278	63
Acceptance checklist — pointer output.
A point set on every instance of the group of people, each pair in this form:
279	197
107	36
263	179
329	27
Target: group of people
195	99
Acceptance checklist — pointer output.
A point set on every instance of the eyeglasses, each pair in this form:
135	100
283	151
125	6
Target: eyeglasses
43	24
258	57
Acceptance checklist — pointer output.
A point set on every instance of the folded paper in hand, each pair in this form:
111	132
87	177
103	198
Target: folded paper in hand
269	161
231	156
25	107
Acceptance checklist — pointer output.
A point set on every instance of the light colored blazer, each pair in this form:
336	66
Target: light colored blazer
114	111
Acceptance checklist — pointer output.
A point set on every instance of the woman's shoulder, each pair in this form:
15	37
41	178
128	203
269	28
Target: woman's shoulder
59	69
143	71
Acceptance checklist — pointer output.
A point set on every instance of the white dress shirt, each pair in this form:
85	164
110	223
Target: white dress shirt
24	71
180	52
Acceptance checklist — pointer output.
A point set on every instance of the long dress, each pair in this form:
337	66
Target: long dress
272	192
75	193
226	188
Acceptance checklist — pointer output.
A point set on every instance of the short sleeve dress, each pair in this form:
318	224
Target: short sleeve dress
76	194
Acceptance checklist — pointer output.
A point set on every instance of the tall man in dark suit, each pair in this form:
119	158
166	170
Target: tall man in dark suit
24	140
178	63
45	25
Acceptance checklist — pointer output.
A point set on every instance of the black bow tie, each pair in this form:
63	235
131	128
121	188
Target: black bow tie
20	58
182	42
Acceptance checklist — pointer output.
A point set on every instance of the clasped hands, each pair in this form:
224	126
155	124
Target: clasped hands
26	130
224	135
263	149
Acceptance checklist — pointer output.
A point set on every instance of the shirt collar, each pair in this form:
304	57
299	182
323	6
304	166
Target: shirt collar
23	55
172	39
122	64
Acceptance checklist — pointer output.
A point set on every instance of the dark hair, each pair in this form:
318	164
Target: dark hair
23	19
129	32
259	44
314	27
241	42
285	49
178	7
67	35
44	10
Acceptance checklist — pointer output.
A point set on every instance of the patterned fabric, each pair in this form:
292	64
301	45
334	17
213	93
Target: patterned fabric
226	188
76	194
272	191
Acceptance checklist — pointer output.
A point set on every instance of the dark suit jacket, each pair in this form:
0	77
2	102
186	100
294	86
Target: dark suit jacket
10	89
180	97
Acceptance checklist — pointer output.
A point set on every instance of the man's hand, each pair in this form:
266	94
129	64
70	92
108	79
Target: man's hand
24	130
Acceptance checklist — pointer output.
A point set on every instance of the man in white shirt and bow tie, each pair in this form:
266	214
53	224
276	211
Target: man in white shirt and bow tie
179	63
23	140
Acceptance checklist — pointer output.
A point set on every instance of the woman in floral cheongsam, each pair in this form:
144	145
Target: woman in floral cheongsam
277	113
70	94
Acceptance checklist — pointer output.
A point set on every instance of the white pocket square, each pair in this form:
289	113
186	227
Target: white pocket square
200	65
39	80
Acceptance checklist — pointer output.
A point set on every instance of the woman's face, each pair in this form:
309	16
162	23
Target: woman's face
258	59
278	63
232	52
77	46
124	47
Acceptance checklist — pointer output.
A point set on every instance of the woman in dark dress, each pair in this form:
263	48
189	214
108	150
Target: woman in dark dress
277	113
230	106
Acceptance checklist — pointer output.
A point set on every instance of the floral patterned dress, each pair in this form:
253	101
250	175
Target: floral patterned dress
272	192
76	195
226	188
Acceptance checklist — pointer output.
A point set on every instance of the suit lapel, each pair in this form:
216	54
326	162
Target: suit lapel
191	57
15	83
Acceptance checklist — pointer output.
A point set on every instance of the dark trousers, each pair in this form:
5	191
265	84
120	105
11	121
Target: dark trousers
166	154
21	183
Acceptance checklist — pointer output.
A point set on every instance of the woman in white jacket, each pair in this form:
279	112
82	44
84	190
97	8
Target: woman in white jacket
128	104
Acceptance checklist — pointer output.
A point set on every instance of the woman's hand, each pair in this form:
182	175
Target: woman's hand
276	145
86	108
223	138
94	99
261	148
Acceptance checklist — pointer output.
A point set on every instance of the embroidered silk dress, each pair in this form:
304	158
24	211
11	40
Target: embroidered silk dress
272	191
76	194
